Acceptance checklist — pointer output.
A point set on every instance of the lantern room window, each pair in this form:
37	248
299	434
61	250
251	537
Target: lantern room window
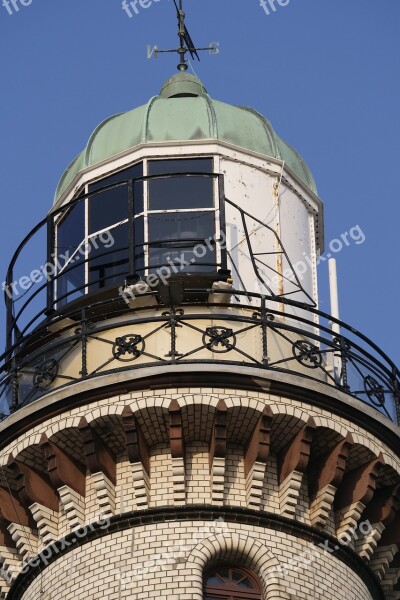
231	583
70	261
181	213
108	229
151	215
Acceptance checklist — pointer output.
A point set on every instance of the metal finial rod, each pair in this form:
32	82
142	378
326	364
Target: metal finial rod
181	33
186	43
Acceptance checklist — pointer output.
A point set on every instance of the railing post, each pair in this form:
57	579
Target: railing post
264	329
14	387
51	238
344	347
131	230
173	324
9	308
83	332
396	395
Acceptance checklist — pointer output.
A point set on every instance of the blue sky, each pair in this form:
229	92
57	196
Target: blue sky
326	74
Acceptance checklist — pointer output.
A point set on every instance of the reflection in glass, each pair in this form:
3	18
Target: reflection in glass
70	255
108	258
174	236
108	218
182	192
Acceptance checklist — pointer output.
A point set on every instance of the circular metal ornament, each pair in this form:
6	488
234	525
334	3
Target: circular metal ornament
128	347
219	339
374	391
307	354
45	374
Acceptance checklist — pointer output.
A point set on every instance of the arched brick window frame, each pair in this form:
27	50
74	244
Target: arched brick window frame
235	548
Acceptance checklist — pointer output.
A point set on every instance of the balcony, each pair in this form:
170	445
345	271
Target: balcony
176	325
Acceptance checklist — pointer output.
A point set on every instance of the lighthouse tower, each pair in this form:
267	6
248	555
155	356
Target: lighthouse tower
179	420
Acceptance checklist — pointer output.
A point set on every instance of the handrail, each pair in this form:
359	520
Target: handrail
306	343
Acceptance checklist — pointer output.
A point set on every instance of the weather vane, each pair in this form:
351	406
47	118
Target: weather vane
186	43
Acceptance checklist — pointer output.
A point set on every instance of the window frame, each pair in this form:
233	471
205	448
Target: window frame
215	209
228	591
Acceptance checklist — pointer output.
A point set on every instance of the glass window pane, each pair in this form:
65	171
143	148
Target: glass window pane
107	208
130	173
139	248
70	233
180	192
109	262
214	580
173	236
71	283
111	206
138	203
70	280
242	580
180	165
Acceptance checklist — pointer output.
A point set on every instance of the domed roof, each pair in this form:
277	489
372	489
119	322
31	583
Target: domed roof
184	111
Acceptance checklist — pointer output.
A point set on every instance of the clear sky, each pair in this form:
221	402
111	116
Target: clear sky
325	73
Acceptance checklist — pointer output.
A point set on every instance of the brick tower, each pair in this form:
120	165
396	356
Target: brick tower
179	420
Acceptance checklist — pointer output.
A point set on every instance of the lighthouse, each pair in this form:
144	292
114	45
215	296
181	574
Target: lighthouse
179	420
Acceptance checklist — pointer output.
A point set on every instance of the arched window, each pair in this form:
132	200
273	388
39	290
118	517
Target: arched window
231	583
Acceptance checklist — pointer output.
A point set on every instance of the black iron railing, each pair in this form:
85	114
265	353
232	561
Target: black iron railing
266	333
27	309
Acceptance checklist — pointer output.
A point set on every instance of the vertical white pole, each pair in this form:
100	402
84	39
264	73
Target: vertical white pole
334	294
334	299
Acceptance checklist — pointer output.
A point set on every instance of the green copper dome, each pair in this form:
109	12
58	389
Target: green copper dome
183	112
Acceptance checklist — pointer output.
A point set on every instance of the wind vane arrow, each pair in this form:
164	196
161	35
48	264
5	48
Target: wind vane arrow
186	42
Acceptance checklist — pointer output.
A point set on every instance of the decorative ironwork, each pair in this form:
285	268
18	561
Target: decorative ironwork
45	374
130	346
260	334
307	354
173	323
374	391
219	337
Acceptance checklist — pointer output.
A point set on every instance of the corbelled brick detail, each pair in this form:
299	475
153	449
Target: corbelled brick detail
141	485
366	546
178	480
321	506
255	484
105	493
217	480
73	505
289	492
46	521
347	520
26	541
382	558
10	565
